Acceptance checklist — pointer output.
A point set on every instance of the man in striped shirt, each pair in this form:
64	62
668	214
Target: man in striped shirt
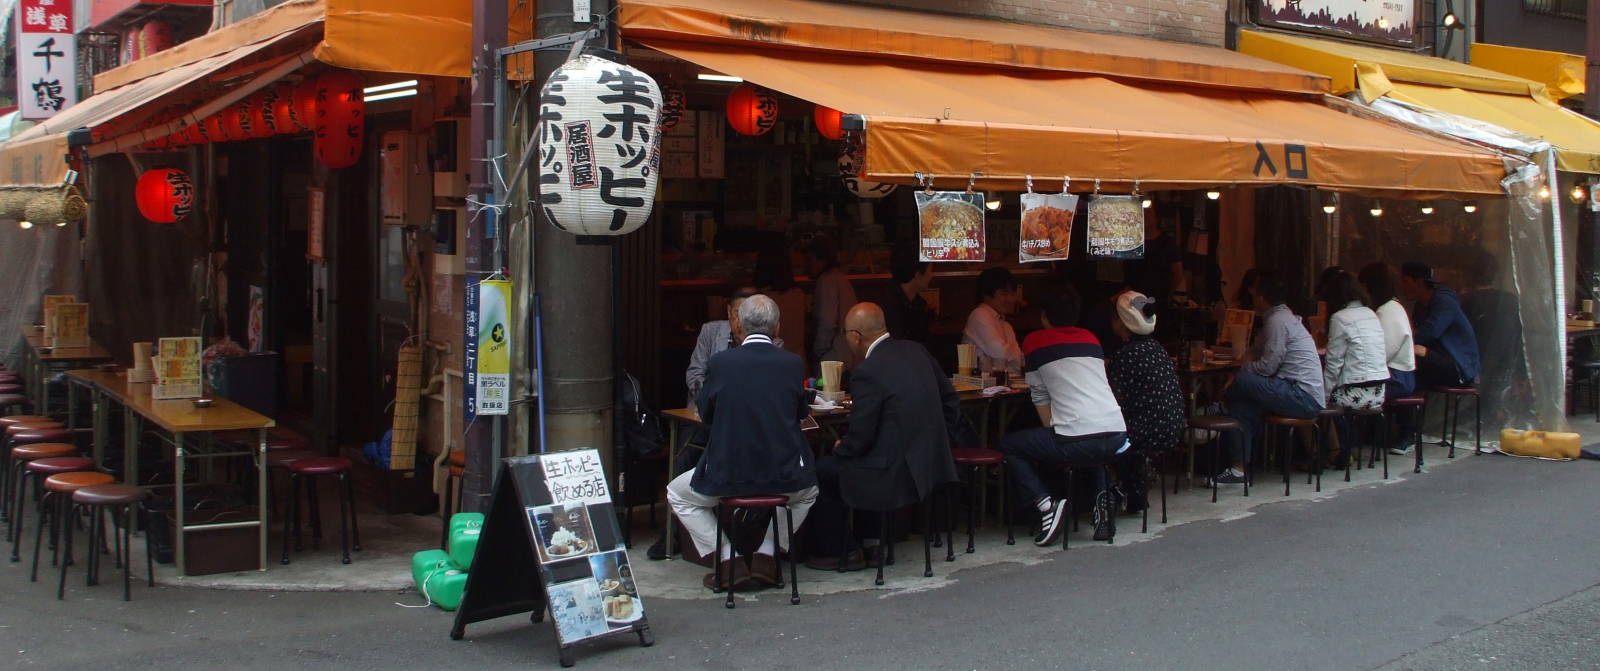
1082	423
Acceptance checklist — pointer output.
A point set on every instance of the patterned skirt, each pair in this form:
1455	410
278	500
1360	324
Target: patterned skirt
1356	397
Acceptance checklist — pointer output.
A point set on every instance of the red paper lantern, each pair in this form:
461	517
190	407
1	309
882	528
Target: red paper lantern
237	119
156	144
752	110
283	110
216	130
154	37
830	122
164	196
196	133
341	119
260	117
178	140
303	108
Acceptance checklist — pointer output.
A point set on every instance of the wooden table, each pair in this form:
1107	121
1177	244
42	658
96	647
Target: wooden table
177	418
1191	376
40	362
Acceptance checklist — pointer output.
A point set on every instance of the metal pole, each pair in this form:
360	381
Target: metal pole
1591	78
574	282
488	34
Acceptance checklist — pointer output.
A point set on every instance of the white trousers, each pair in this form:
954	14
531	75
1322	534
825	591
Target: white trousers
698	515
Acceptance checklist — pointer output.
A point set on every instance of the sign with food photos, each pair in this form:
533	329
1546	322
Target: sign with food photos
1046	227
69	325
1116	227
551	542
47	58
950	226
177	369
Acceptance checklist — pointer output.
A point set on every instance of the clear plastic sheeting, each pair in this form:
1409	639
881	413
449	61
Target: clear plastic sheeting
33	262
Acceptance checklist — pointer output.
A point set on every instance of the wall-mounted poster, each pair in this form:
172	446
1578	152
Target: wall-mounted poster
1046	226
1116	227
1386	21
951	225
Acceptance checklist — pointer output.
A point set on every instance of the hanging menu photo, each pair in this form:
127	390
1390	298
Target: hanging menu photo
1116	227
1046	226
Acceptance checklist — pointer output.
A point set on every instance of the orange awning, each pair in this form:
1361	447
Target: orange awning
892	35
38	156
952	121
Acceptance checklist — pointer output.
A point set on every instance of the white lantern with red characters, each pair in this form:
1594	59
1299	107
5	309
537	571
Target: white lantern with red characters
599	147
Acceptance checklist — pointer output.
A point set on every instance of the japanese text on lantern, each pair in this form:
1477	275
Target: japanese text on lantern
47	58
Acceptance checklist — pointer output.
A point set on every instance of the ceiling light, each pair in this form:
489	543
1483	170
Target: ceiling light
1377	210
1329	208
25	225
1145	203
1544	192
61	224
1577	193
706	77
1427	209
1469	208
390	95
1213	195
992	202
1450	20
407	84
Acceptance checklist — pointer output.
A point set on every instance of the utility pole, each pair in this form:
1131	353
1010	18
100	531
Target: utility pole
483	436
1591	72
574	281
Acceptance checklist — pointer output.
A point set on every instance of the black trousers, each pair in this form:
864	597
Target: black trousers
828	524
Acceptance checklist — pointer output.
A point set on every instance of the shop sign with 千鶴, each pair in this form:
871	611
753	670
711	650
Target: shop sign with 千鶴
1046	226
951	225
1116	227
599	144
47	58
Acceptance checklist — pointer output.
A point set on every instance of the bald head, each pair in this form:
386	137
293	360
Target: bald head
863	325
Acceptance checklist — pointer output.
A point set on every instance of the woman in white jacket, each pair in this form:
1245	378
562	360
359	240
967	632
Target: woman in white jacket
1354	369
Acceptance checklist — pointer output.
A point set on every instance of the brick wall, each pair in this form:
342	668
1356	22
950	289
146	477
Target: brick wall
1198	21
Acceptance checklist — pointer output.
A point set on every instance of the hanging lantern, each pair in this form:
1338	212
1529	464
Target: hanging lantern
303	106
341	119
282	106
851	167
154	37
237	119
216	130
830	122
260	116
602	150
196	133
178	140
673	104
164	196
57	207
752	110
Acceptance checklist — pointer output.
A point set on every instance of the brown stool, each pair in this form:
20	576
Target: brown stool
98	500
9	428
729	504
1407	404
312	468
1217	424
58	491
456	464
1325	420
1452	417
18	460
279	460
1291	423
10	388
34	471
22	419
977	459
12	402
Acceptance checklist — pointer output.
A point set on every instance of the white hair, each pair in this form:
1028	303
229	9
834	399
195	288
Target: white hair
758	314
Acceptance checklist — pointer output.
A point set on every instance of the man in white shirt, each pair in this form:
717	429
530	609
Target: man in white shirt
995	340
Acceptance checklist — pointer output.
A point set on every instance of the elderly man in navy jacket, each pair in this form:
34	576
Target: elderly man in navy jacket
753	401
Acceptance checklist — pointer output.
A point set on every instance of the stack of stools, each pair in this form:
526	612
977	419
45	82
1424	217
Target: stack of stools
1412	404
58	491
120	501
1452	416
312	468
978	459
1219	425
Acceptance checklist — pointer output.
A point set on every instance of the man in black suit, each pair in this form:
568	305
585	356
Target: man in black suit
753	401
897	450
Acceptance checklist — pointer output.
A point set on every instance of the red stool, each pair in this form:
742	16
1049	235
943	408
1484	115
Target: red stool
1218	424
57	499
313	468
977	459
1274	422
34	471
731	503
10	420
11	402
18	460
1452	417
10	388
1419	405
98	500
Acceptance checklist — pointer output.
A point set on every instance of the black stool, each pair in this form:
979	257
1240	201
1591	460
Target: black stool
1274	422
1452	416
312	468
1587	374
727	505
977	459
58	490
120	501
1418	405
1325	425
1105	472
1217	424
1380	441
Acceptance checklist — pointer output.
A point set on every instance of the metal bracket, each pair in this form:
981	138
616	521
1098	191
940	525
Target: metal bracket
553	42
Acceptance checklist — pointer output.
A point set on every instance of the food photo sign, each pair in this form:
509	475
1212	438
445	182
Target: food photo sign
1046	227
951	226
1116	227
551	542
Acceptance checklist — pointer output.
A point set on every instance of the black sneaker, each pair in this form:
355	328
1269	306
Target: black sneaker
1105	519
658	551
1050	526
1228	477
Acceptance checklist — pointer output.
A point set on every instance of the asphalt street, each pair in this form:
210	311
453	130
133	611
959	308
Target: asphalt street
1493	563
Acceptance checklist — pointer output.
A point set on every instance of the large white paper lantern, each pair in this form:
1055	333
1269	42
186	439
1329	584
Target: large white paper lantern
850	169
599	147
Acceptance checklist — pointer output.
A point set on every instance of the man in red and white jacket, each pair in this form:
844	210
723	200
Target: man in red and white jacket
1082	423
